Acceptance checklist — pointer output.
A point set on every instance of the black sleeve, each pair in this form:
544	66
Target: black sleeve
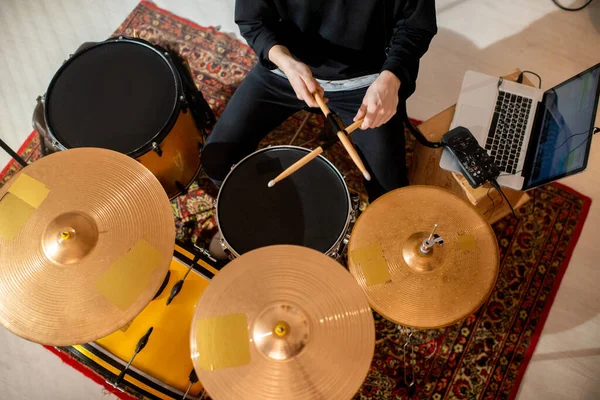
257	20
415	26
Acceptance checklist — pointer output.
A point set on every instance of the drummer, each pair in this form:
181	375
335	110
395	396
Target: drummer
362	55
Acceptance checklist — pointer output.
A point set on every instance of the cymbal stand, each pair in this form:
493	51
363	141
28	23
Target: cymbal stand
405	331
408	332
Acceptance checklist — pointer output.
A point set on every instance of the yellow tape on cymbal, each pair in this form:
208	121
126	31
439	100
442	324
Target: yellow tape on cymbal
467	242
30	190
14	212
370	259
223	342
130	275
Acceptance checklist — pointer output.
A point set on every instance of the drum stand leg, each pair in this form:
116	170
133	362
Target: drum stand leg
193	378
11	153
409	379
300	128
410	383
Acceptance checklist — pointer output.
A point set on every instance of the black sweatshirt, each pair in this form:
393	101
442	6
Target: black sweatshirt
341	39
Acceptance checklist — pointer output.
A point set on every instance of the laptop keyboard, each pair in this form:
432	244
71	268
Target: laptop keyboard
505	138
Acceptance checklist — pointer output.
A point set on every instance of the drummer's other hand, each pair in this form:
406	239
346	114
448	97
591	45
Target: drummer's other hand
303	83
298	73
380	102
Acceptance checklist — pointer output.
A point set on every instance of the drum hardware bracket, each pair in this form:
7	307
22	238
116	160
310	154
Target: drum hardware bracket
431	241
184	104
193	378
346	238
157	149
428	244
205	252
177	287
354	211
138	347
224	247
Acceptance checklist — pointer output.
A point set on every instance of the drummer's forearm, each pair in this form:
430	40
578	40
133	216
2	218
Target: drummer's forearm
281	56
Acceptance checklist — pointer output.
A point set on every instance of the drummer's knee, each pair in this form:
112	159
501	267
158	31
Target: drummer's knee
218	158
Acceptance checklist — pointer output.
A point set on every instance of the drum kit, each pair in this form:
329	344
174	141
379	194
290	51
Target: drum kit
88	258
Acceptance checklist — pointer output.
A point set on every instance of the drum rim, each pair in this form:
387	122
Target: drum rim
166	128
344	231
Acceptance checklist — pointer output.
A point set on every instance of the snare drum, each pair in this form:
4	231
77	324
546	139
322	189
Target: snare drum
162	369
133	97
310	208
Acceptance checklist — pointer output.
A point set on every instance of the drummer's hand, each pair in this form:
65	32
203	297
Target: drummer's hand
298	74
380	102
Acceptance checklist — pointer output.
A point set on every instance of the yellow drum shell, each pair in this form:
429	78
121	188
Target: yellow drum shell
166	359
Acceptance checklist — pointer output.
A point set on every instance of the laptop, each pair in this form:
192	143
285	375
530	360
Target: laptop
534	137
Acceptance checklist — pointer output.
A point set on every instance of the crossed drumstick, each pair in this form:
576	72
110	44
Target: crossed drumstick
342	134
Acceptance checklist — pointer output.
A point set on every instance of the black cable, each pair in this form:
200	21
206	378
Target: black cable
520	78
416	132
493	208
496	186
571	9
571	137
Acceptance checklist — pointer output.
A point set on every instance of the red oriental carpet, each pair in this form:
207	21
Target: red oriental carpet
483	357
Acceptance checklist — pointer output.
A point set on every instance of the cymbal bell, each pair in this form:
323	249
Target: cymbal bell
86	239
300	326
422	284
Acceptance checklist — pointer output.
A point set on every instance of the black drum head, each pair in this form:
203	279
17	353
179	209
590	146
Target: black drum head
118	95
310	208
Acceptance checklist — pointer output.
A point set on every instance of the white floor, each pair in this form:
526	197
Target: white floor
492	36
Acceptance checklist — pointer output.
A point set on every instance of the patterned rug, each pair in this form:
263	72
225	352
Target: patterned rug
483	357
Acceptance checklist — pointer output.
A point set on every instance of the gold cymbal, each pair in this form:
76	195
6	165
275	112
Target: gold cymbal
429	290
86	239
297	327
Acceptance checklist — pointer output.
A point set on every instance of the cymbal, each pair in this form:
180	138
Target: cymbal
297	327
86	239
420	290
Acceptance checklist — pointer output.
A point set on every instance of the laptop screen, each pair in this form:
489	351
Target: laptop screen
568	117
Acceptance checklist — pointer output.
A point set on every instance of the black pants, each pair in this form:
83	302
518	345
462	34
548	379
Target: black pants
265	100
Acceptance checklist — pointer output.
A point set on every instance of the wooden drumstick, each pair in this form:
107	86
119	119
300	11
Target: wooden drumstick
344	139
322	104
354	126
309	157
296	166
353	154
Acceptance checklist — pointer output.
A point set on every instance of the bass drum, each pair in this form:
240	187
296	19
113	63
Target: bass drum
130	96
161	370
